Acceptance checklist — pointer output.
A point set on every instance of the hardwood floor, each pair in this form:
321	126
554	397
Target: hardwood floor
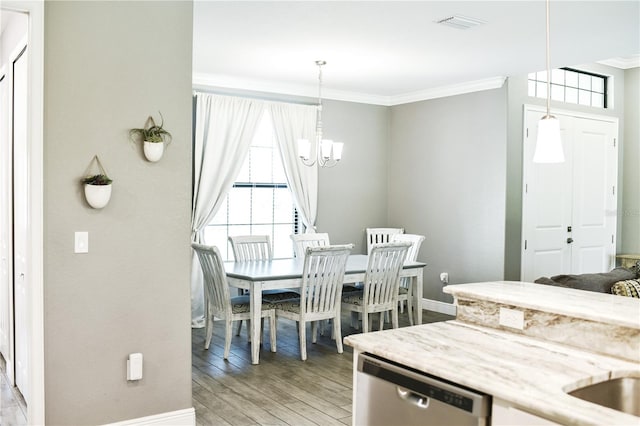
12	406
282	389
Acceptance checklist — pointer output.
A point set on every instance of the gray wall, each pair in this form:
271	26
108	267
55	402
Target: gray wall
353	195
631	176
517	95
109	65
447	182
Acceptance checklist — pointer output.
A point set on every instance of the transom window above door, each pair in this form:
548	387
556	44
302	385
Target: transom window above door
570	86
260	202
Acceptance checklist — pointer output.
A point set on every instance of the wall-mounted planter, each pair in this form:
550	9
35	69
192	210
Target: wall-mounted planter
153	150
97	187
153	138
97	196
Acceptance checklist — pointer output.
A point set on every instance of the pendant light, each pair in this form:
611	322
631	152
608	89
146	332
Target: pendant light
548	143
325	152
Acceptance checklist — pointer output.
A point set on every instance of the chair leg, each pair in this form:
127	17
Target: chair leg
228	329
365	322
273	327
208	331
302	335
410	309
314	331
249	331
337	333
239	327
383	315
261	329
394	318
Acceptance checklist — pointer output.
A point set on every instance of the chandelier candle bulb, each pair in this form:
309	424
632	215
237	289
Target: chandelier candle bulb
326	148
337	150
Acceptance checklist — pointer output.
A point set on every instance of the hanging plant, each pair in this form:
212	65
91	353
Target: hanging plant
97	187
153	137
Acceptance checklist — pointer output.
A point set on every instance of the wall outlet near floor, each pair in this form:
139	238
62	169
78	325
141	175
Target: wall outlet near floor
512	318
444	278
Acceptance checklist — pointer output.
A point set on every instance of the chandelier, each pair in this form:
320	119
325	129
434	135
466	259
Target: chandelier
325	152
548	143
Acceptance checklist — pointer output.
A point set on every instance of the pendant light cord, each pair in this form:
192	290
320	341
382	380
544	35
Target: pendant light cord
548	68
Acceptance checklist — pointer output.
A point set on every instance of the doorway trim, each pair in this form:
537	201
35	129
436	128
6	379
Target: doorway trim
35	294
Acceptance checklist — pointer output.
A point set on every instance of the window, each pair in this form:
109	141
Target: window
571	86
260	201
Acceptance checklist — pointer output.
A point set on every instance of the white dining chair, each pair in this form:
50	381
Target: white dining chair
381	282
405	290
302	241
380	235
320	295
220	304
247	248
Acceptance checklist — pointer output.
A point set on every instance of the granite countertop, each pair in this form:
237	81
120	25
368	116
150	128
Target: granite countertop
588	305
531	374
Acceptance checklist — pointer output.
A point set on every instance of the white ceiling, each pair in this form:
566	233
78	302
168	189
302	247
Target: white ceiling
387	51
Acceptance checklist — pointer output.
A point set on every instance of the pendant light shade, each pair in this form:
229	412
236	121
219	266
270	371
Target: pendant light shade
548	144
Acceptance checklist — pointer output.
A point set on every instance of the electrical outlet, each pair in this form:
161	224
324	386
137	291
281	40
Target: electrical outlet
444	277
512	318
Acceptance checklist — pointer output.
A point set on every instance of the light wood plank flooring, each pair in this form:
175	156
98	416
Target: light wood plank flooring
282	389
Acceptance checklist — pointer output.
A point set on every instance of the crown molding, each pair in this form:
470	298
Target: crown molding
201	80
623	63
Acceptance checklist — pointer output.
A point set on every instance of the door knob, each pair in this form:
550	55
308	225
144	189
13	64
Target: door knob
569	240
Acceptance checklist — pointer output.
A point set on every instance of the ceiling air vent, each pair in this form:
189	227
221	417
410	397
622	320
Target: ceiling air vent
460	22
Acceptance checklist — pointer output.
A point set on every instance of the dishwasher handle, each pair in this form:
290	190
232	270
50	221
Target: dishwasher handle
413	398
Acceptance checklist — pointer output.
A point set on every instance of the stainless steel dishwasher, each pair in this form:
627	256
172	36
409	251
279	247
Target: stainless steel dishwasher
392	395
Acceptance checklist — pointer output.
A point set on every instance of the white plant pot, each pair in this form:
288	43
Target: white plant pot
153	150
97	195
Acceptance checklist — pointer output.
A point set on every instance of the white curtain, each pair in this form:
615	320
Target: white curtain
292	122
224	128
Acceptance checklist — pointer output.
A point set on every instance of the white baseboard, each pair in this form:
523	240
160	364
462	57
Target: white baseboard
186	417
438	306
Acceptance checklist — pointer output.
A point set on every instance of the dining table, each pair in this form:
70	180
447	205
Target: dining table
259	275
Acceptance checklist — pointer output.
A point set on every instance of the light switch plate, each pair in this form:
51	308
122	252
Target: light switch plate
81	242
134	367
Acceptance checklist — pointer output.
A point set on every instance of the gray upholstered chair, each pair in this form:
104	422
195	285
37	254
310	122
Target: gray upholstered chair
381	282
320	295
219	302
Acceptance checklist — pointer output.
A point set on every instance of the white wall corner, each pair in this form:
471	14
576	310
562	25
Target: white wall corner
186	417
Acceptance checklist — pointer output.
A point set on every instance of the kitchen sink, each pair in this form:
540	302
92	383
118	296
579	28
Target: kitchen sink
622	394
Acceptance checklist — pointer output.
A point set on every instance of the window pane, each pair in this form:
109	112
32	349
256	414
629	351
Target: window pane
531	91
541	76
531	76
261	165
584	97
283	206
243	176
541	90
278	168
557	92
217	236
597	100
282	244
239	206
262	206
597	84
557	77
571	78
584	82
571	95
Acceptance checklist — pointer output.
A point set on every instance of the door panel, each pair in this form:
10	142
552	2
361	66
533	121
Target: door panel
6	288
20	223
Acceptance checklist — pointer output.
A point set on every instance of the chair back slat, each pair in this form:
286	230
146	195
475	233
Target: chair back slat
215	278
322	278
251	247
382	277
380	236
414	239
302	241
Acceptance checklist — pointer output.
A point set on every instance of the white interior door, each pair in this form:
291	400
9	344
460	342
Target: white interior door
569	209
6	227
20	222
